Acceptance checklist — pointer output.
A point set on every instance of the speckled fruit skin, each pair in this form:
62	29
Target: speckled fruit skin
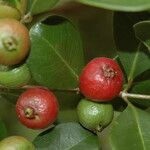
16	143
15	35
44	105
101	79
94	116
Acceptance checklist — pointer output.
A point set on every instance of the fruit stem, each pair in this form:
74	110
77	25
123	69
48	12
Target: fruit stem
135	96
29	113
35	86
27	18
98	133
128	85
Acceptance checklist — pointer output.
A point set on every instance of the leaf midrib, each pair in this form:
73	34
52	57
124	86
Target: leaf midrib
137	120
69	148
78	142
61	58
133	66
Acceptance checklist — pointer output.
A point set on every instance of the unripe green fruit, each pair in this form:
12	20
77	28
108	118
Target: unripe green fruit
94	116
16	143
14	41
16	77
9	12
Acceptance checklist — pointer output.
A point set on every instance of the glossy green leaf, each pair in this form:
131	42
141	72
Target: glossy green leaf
121	5
142	32
134	56
131	130
3	130
104	134
141	88
56	58
67	136
39	6
69	115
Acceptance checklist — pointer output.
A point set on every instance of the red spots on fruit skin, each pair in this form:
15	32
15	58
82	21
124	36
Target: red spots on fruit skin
44	105
101	79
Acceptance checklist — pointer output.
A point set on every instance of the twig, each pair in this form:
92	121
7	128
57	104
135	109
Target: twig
135	96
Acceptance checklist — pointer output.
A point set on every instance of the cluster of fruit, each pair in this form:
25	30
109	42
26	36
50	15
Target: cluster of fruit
14	47
100	81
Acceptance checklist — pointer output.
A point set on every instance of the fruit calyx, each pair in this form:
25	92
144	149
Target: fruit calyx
9	43
109	72
99	128
29	113
27	18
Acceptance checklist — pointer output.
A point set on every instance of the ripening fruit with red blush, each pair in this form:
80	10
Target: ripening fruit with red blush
14	42
37	108
101	79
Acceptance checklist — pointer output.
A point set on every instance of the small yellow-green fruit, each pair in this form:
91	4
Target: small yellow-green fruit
9	12
14	42
94	116
16	143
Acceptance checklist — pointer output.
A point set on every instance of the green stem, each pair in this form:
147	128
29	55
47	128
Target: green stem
135	96
27	18
99	137
35	86
125	98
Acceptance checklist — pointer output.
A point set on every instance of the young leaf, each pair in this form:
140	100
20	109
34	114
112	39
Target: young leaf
39	6
56	56
131	130
67	136
134	56
123	5
142	32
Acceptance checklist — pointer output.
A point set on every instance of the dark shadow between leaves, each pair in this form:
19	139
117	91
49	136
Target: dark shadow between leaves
54	20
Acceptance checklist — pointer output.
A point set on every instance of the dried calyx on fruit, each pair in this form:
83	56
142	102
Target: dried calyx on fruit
14	41
94	116
101	79
37	108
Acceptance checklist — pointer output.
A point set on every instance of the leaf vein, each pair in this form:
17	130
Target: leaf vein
61	58
140	132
